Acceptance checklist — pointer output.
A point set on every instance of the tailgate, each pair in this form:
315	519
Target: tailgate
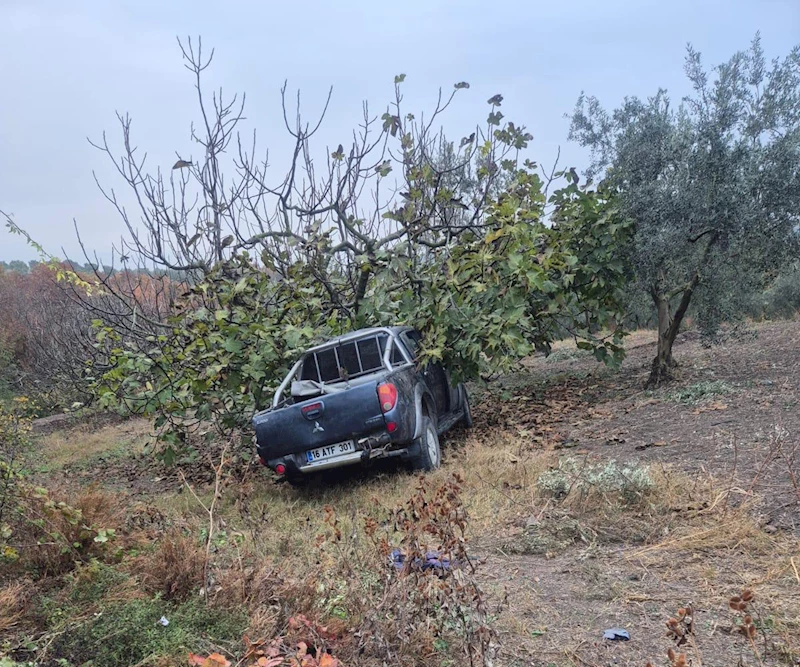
345	415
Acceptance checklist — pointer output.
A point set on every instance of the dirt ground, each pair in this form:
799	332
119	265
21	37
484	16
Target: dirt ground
725	434
732	416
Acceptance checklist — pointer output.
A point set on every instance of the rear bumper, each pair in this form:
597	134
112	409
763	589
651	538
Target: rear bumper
367	449
338	462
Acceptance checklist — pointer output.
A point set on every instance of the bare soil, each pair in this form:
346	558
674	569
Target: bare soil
731	415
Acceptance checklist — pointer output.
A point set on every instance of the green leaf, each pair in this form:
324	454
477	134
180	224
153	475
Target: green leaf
495	117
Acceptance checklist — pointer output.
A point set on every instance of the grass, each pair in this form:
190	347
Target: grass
131	633
77	447
567	354
575	541
275	551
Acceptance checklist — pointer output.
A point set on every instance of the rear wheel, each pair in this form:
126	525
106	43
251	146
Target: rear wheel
466	418
428	455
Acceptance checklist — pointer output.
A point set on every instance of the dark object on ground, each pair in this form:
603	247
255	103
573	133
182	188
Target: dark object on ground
433	561
357	398
616	635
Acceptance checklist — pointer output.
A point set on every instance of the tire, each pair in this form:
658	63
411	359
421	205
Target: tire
428	455
466	419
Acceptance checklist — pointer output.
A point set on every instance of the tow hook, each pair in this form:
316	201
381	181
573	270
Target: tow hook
366	449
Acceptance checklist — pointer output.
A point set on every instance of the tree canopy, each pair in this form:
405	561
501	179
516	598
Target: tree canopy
461	238
712	184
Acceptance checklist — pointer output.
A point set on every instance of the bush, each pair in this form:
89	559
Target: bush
174	570
629	482
45	536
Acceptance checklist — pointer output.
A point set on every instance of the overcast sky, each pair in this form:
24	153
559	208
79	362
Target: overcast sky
66	67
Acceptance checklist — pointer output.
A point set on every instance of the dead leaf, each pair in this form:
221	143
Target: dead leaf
269	662
213	660
715	405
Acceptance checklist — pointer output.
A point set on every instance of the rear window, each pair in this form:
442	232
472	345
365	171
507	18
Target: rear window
349	360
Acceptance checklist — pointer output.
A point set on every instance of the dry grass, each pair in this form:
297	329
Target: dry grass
77	446
14	597
606	558
174	568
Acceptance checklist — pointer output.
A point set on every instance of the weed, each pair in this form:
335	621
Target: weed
427	604
93	581
49	536
748	621
132	633
700	391
174	568
629	482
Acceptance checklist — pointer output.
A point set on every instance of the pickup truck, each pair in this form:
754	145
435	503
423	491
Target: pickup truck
356	398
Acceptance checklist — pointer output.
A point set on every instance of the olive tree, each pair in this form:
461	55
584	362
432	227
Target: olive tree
711	183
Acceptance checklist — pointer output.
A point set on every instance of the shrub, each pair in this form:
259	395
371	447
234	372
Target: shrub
434	609
38	531
46	536
628	483
174	569
781	299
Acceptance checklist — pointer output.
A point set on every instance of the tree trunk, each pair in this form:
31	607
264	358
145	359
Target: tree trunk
668	327
661	371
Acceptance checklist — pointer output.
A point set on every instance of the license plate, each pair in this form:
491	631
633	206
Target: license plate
330	451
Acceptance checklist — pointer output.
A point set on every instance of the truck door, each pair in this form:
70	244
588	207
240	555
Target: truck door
433	373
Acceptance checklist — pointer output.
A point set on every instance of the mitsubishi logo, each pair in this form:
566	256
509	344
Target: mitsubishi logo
317	428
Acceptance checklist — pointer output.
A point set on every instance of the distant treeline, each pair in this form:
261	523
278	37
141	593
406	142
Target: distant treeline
24	268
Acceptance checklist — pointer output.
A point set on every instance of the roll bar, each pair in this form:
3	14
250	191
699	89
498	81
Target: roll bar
387	356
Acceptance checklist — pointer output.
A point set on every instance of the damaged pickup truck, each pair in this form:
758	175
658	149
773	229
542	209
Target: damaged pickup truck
357	398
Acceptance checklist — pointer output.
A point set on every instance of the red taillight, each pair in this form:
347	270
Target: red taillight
263	462
311	411
387	395
280	469
391	427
